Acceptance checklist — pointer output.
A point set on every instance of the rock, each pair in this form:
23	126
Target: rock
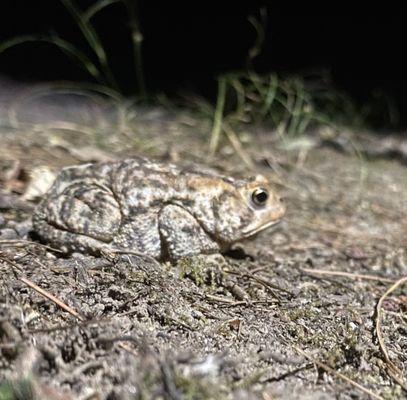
8	234
22	228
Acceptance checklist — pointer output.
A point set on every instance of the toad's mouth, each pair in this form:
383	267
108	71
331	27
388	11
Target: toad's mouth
252	231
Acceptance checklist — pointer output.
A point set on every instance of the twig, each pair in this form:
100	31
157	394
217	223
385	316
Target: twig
269	285
233	303
70	310
347	275
262	281
287	374
57	328
41	291
225	300
58	302
21	243
392	369
330	370
51	297
16	267
120	342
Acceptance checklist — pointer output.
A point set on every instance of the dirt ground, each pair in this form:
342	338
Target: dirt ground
293	313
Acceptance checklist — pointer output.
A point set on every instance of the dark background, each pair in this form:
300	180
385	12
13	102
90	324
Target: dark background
187	45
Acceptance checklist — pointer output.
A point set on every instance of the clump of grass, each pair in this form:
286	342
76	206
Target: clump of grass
291	105
96	63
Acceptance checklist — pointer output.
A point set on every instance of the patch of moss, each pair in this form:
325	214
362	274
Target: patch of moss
202	270
193	388
21	389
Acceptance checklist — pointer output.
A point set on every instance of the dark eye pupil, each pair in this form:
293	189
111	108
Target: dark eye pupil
260	196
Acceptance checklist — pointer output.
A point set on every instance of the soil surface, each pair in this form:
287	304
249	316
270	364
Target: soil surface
293	313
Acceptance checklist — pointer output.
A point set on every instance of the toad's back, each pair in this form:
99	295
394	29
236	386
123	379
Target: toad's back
118	177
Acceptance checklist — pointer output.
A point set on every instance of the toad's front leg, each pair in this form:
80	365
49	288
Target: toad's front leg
181	235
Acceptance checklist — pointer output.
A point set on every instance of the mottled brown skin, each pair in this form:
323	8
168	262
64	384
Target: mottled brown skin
154	208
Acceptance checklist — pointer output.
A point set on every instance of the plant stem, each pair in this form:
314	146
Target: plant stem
137	39
217	123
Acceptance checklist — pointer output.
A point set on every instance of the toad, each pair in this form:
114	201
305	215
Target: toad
154	208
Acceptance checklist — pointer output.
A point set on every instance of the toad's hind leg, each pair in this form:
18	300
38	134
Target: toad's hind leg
84	217
181	234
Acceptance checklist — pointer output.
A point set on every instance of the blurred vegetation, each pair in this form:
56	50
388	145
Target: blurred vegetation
96	63
290	105
16	390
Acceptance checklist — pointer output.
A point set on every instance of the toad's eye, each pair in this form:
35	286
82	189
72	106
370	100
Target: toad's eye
260	197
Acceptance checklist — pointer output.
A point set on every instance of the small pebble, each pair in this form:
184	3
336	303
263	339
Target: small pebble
22	228
8	234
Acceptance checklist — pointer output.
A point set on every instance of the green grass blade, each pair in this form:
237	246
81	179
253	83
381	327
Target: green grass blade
93	40
218	117
137	40
258	25
68	48
270	95
96	7
240	93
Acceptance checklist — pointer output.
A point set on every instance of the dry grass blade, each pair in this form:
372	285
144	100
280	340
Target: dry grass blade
392	369
94	92
317	226
262	281
237	145
330	370
64	127
347	275
24	243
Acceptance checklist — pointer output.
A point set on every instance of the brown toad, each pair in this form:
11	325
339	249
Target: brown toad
154	208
